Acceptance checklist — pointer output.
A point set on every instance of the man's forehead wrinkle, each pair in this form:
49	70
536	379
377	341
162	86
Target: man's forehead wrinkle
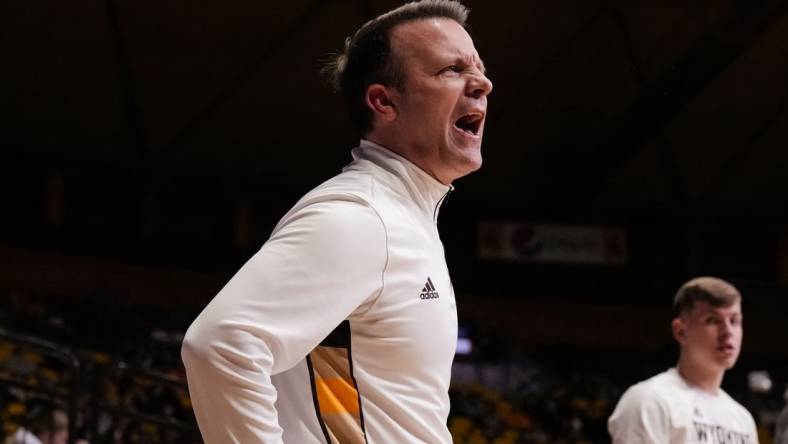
471	58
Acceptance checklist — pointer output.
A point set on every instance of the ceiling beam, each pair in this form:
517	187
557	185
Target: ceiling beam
670	94
514	98
671	170
182	139
745	151
128	89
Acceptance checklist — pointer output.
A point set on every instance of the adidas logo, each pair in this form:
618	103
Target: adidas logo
429	292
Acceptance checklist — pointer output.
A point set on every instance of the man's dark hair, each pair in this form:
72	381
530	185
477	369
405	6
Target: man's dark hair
368	58
714	291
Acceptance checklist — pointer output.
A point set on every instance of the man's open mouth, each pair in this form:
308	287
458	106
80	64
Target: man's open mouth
470	123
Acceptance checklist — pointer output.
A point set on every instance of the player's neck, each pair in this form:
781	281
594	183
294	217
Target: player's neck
708	380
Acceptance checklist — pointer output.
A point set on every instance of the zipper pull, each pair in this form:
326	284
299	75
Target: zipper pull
441	202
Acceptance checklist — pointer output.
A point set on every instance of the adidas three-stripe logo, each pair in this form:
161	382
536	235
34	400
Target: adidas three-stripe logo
429	292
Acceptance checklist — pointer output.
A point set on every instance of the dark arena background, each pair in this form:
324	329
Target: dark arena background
148	148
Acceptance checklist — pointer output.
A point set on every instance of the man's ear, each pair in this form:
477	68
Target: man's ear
679	330
382	101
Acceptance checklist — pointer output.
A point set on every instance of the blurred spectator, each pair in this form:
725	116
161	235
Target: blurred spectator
43	424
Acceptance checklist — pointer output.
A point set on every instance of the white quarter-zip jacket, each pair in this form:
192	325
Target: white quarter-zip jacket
343	327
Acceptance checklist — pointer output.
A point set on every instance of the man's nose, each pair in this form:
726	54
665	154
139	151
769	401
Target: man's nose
480	85
726	328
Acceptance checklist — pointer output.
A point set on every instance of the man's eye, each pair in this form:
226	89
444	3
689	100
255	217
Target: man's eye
452	68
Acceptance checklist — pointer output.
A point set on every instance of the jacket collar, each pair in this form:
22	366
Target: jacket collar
426	191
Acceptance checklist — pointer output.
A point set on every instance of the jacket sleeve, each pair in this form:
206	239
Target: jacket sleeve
641	417
323	263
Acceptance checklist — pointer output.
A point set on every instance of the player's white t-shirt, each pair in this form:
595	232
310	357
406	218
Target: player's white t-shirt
665	409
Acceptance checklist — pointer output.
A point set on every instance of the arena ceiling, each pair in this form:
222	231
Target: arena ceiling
601	109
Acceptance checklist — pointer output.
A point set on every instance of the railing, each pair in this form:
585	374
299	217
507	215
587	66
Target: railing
98	405
83	386
53	394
